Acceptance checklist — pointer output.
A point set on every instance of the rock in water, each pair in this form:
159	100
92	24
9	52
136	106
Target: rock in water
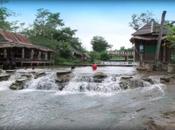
2	71
10	71
18	84
165	79
135	83
28	76
4	77
62	79
99	77
148	80
131	83
39	74
124	85
60	73
126	77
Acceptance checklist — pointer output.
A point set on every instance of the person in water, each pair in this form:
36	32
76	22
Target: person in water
94	66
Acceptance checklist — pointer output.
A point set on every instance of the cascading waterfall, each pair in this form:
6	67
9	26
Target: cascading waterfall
46	82
86	84
82	81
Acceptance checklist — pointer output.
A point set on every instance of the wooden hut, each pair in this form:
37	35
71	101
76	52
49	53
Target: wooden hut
145	43
16	50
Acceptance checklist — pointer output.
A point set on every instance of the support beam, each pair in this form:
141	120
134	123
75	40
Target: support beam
46	56
39	55
32	54
134	53
141	59
5	53
160	39
164	52
23	53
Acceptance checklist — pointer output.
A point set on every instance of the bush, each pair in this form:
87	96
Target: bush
104	56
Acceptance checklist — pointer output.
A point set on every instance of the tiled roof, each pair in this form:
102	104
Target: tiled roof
147	29
14	37
18	40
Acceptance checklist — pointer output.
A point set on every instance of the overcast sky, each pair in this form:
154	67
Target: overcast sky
107	18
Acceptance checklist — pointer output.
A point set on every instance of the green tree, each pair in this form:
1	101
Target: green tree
171	34
122	48
99	44
65	50
104	56
4	14
46	23
139	20
94	56
171	38
49	30
7	25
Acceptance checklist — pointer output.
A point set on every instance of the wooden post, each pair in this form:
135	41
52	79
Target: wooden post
39	55
134	53
164	52
141	59
46	56
160	38
141	51
32	54
5	53
23	53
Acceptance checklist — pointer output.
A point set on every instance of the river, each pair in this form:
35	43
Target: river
40	105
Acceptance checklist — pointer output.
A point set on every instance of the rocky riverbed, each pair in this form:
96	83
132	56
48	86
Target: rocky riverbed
109	98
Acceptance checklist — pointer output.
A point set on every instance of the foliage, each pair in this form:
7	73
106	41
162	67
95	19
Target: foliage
48	30
5	24
65	50
171	34
45	24
138	20
95	56
122	48
99	44
104	56
4	14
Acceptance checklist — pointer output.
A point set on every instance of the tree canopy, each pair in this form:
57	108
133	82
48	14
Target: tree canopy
138	20
48	26
4	14
171	34
99	44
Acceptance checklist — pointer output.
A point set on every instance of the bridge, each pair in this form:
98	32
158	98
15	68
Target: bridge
126	54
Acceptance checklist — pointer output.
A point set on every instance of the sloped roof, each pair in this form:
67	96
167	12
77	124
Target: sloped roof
14	37
148	29
17	40
146	38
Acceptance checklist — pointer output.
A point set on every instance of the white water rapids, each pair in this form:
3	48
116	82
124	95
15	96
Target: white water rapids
82	103
81	80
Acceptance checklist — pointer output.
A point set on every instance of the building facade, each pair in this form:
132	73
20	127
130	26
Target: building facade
145	43
16	51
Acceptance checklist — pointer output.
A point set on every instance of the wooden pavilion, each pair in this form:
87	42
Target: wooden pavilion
145	43
16	51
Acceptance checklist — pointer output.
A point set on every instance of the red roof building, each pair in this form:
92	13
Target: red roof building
17	50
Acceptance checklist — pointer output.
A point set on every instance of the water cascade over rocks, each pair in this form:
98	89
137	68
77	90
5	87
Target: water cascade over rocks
76	81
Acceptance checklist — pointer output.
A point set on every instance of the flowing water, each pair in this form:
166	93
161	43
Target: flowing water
82	103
